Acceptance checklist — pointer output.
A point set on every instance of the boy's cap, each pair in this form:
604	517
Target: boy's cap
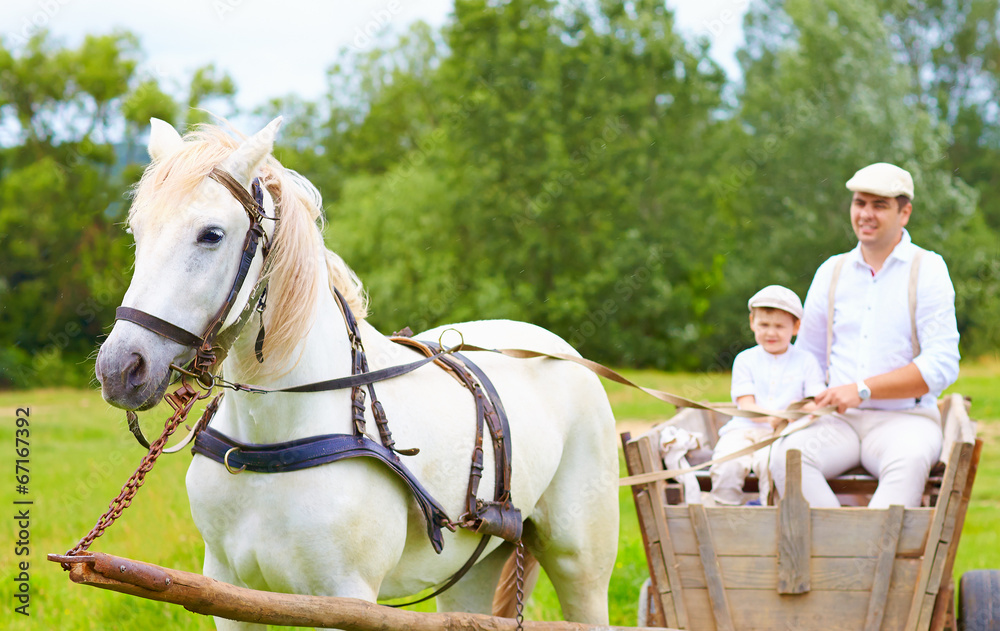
777	297
882	178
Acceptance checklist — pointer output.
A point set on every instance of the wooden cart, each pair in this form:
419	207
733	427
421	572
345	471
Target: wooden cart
802	568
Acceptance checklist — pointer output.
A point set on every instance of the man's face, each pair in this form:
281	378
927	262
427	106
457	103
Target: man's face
878	221
773	329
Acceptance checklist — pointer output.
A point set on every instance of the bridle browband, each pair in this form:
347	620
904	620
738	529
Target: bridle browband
213	345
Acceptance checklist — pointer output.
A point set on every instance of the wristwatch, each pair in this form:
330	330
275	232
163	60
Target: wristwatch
864	391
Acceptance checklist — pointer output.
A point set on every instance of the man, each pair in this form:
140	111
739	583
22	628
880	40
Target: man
884	373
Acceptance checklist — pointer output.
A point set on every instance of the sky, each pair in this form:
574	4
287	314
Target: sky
277	48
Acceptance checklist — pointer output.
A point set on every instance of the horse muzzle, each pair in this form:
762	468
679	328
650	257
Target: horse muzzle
133	376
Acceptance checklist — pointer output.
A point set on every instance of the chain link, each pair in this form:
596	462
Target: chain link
182	400
519	583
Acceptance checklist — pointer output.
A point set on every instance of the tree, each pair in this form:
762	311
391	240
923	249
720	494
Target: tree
845	101
64	258
566	151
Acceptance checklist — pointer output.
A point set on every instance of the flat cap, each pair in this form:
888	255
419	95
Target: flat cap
777	297
882	178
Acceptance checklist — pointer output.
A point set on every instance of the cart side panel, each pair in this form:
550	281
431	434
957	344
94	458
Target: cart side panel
766	610
837	532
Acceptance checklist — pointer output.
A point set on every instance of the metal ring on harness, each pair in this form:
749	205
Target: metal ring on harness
446	350
225	461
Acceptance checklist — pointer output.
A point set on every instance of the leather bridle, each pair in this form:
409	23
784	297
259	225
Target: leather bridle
213	345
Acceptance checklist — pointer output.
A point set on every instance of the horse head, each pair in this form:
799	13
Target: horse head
190	232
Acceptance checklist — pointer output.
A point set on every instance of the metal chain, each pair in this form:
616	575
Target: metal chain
182	400
519	583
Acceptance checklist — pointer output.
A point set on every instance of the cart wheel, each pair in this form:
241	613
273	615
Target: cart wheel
979	601
644	602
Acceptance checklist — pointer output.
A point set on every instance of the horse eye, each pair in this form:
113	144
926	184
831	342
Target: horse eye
211	236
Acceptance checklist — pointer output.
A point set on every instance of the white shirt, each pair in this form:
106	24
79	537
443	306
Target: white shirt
775	381
871	331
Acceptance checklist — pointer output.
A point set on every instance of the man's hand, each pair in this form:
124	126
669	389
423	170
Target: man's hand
845	396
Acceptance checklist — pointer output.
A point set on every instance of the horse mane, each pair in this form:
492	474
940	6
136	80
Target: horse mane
298	250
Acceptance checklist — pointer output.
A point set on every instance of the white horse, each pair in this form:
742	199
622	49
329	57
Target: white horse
350	528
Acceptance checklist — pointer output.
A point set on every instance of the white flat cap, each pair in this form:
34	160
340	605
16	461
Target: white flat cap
777	297
882	178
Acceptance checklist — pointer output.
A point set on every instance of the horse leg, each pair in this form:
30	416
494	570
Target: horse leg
573	532
345	586
474	592
220	571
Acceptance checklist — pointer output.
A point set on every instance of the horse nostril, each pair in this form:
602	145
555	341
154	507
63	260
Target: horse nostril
136	371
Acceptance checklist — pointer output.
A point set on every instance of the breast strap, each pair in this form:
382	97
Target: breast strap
312	452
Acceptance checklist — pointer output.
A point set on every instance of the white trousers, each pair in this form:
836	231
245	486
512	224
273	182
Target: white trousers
897	447
728	477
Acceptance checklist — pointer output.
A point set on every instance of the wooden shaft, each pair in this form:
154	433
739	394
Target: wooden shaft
210	597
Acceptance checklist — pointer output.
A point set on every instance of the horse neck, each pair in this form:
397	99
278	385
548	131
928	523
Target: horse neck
323	353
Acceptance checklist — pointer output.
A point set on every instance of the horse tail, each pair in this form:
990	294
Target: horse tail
505	597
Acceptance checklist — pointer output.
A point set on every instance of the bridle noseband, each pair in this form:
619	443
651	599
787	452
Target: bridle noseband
213	345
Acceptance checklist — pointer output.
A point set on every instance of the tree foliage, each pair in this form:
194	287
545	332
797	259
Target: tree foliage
71	118
580	165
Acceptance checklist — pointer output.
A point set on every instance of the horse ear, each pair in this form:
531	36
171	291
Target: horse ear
163	139
244	161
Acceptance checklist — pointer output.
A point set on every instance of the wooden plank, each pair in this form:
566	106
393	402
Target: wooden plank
828	573
713	573
657	497
951	429
794	530
944	608
657	570
883	572
954	477
647	528
945	602
837	532
766	610
930	597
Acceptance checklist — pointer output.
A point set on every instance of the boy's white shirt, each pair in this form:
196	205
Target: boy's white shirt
775	381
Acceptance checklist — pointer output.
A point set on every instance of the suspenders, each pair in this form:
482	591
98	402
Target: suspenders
914	276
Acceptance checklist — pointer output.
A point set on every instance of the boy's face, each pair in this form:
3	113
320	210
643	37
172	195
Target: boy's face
773	329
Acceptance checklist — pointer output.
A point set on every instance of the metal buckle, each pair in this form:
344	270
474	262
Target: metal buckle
225	461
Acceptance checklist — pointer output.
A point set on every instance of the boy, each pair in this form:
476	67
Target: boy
771	375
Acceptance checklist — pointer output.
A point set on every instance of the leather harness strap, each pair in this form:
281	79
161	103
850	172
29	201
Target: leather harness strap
313	452
156	325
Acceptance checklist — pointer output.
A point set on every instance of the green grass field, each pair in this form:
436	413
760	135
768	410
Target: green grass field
81	454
